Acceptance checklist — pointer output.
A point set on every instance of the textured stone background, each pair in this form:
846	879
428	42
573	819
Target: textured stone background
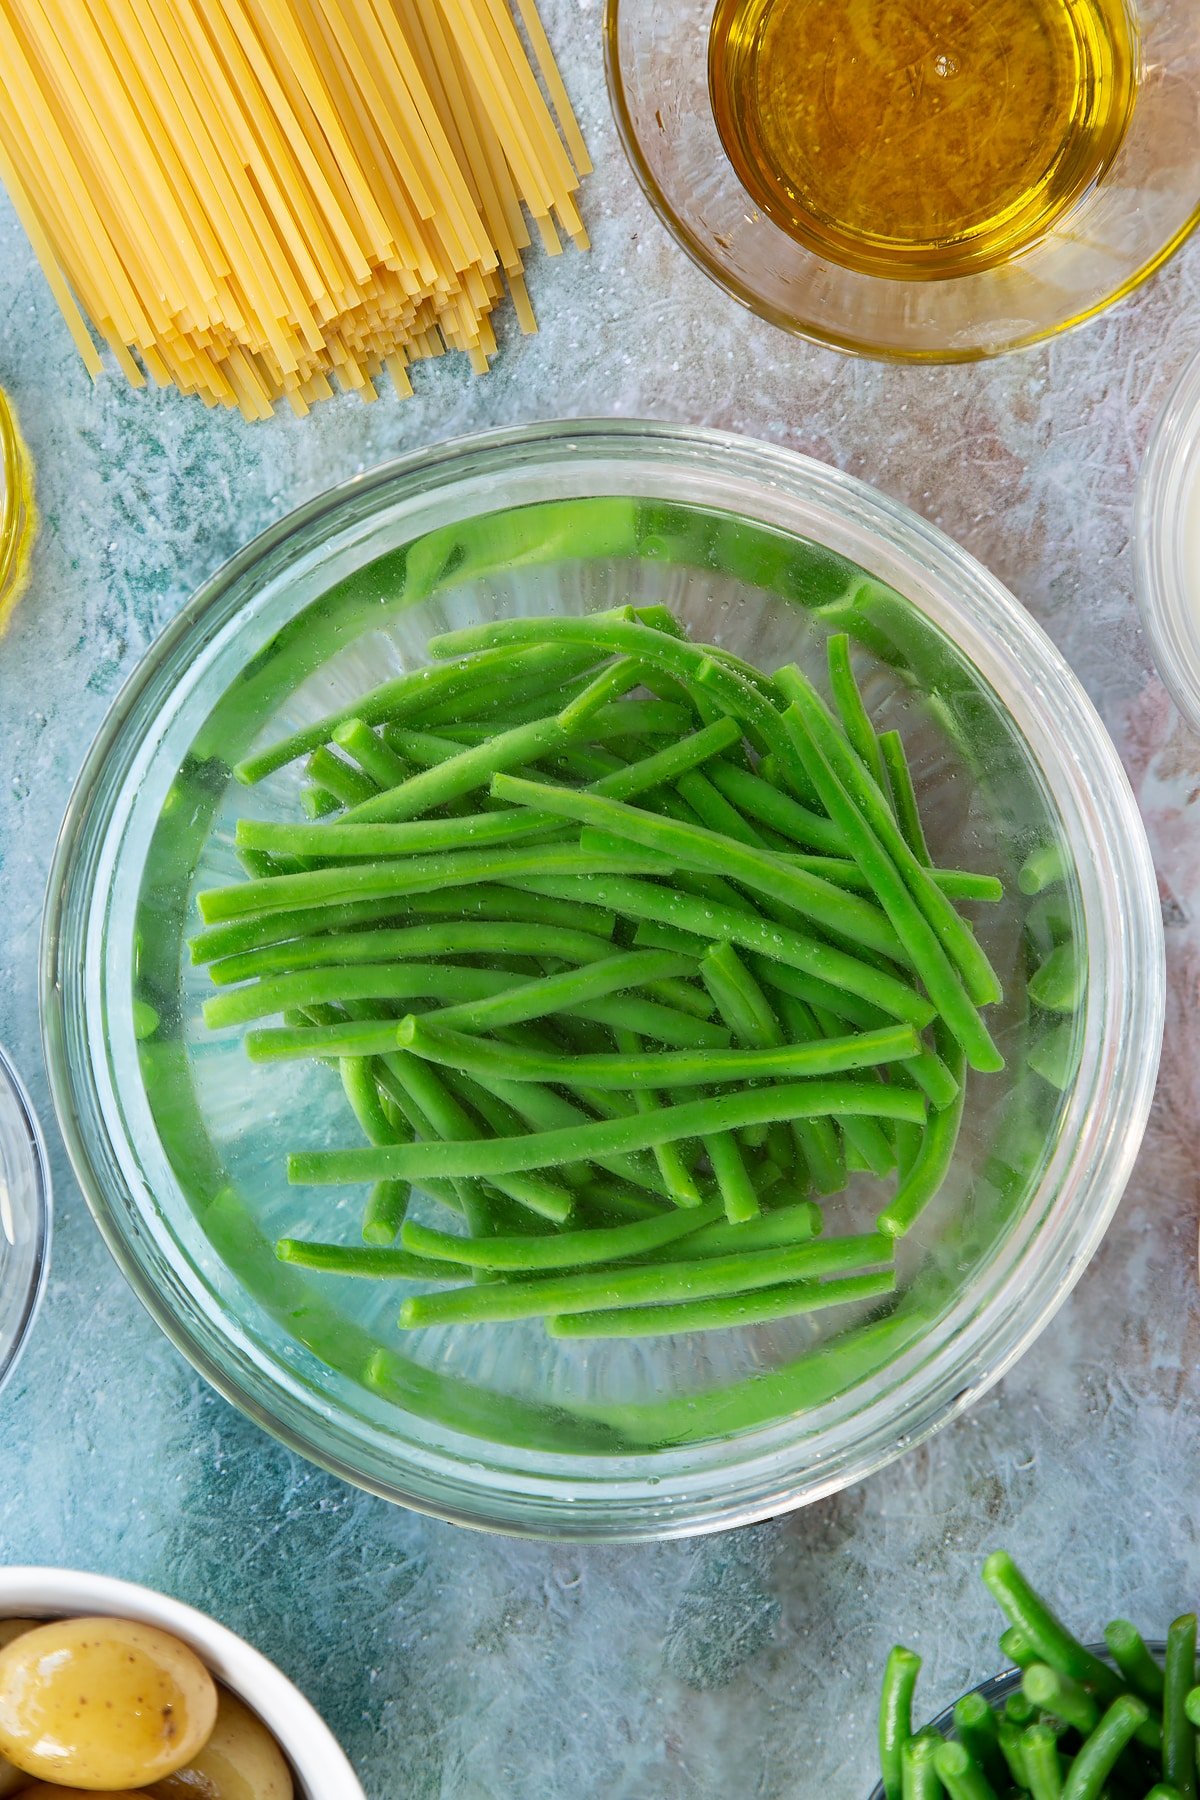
461	1668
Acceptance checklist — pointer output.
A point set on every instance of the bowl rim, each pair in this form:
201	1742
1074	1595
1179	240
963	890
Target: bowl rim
745	295
1169	481
556	1508
310	1746
13	1089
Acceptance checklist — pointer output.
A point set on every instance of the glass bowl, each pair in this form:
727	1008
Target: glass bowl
24	1216
996	1691
16	510
1167	543
1124	227
180	1142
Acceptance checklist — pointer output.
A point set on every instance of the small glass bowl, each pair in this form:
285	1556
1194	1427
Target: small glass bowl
16	510
996	1691
180	1141
1167	543
1135	216
24	1216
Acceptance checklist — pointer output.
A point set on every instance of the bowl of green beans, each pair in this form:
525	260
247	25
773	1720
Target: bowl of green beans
1065	1721
602	980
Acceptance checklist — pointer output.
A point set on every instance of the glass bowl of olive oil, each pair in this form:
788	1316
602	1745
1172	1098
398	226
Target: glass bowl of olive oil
922	180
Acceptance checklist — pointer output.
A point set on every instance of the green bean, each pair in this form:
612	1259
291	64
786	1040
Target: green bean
736	1189
1043	1765
611	683
318	802
349	786
414	943
734	1311
1141	1673
871	810
930	959
411	837
1191	1706
663	1023
1020	1710
376	759
406	696
961	1775
389	981
606	1137
1058	1694
240	936
561	992
661	618
683	995
399	878
604	1290
1179	1736
929	1170
429	1038
856	722
676	1176
1098	1757
771	806
348	1037
836	969
1009	1736
919	1779
428	749
387	1204
904	799
565	1250
343	1259
794	1224
1161	1791
1059	984
830	907
955	884
666	765
474	766
712	810
1017	1647
1044	868
1047	1635
895	1716
978	1732
739	999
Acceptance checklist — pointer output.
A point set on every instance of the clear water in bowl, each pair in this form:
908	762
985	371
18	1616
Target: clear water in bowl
226	1125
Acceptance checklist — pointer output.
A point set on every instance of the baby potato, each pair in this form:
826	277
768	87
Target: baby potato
103	1704
241	1761
15	1628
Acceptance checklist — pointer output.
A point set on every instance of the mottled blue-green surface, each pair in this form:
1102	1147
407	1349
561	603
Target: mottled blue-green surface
736	1668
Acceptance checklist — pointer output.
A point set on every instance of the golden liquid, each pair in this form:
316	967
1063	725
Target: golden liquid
920	138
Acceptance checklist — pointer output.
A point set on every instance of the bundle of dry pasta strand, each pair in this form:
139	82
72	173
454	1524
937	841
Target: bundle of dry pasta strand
251	198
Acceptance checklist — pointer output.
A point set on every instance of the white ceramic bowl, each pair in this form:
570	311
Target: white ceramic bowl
320	1766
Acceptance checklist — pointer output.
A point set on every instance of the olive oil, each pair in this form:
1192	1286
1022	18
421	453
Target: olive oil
920	138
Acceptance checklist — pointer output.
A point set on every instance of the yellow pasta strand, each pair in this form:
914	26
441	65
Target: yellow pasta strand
268	200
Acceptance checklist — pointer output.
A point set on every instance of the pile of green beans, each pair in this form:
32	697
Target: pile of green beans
1079	1727
628	954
